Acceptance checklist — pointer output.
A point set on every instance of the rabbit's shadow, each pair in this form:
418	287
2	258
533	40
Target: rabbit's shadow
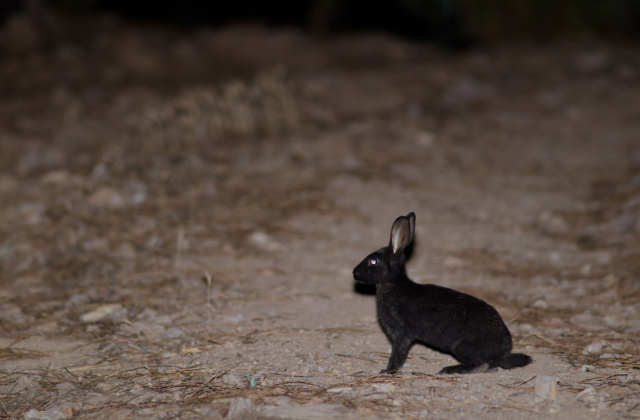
370	289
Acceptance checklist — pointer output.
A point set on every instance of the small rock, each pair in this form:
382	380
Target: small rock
589	322
100	171
7	253
152	315
603	257
587	394
609	356
339	390
627	378
425	139
12	313
33	213
8	183
259	238
106	197
527	328
308	412
619	225
465	90
232	379
55	177
77	299
592	61
47	327
33	414
23	383
65	386
280	401
615	322
150	330
555	258
453	262
388	387
592	348
351	164
540	304
136	192
239	408
633	203
552	223
174	332
546	387
125	250
233	318
610	281
61	412
39	158
153	242
263	241
147	313
110	311
633	325
95	245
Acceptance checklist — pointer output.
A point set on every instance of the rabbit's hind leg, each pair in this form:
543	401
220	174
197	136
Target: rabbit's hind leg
474	357
463	369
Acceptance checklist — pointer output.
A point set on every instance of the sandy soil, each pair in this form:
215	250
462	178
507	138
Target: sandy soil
181	212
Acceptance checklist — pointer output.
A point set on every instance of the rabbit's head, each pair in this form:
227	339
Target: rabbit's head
386	265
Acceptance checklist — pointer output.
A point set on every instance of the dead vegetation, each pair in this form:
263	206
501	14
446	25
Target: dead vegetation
187	251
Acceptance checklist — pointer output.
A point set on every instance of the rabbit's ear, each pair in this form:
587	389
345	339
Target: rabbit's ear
412	221
402	233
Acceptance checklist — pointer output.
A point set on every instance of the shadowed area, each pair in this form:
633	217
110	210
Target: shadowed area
182	208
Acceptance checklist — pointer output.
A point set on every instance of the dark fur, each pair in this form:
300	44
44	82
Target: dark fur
443	319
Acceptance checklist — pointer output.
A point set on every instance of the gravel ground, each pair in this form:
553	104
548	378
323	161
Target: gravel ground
181	213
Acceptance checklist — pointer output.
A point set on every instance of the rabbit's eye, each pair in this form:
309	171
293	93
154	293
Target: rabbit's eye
373	261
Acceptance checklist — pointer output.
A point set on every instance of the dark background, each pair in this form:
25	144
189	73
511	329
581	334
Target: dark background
453	23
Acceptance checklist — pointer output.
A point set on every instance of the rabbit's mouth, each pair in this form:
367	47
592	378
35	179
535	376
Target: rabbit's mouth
361	277
357	275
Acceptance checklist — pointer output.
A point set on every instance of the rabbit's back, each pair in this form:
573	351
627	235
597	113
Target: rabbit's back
441	317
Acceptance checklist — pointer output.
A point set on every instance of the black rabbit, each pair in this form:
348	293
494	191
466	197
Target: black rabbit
443	319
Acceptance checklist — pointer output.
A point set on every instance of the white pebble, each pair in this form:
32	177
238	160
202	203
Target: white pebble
546	387
109	311
453	262
586	394
262	240
595	347
106	197
540	304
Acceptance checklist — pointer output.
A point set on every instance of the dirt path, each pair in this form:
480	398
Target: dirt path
176	244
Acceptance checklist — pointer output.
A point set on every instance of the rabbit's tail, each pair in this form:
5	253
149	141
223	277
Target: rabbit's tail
513	360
